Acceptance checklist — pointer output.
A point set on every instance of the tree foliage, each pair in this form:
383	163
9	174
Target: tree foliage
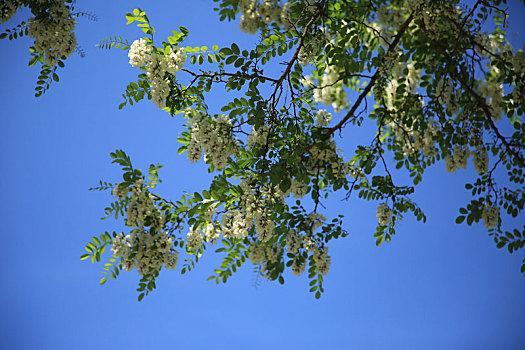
52	27
438	79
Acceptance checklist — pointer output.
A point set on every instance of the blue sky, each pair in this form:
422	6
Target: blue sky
435	286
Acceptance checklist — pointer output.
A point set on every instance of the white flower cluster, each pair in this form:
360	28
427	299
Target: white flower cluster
157	65
146	251
315	220
194	239
54	35
262	254
481	160
458	160
298	189
383	214
322	260
490	216
211	232
252	213
297	245
433	16
120	191
327	158
259	137
323	118
141	206
518	63
384	70
175	59
156	71
255	208
329	91
518	93
213	136
413	141
311	46
236	224
256	13
8	9
139	53
295	242
410	81
446	95
298	267
494	92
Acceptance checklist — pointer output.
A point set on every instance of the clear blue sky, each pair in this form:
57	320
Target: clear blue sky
435	286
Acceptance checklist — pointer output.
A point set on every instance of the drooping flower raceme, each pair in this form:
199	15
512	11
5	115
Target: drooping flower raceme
158	66
139	53
490	216
54	36
213	136
175	59
8	9
148	250
323	117
255	13
383	214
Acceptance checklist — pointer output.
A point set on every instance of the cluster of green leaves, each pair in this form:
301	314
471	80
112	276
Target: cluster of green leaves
48	75
96	248
282	107
235	257
19	31
180	96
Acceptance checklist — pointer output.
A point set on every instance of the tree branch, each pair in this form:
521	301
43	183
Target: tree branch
371	83
481	101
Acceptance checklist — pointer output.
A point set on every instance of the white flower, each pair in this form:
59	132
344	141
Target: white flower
315	220
322	260
323	117
139	53
173	258
518	62
481	161
490	216
175	60
193	239
54	36
383	214
299	189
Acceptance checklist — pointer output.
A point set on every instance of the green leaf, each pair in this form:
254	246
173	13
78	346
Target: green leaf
460	219
32	61
84	256
103	280
235	49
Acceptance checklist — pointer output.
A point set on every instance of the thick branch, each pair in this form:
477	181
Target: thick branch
371	83
481	101
299	46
